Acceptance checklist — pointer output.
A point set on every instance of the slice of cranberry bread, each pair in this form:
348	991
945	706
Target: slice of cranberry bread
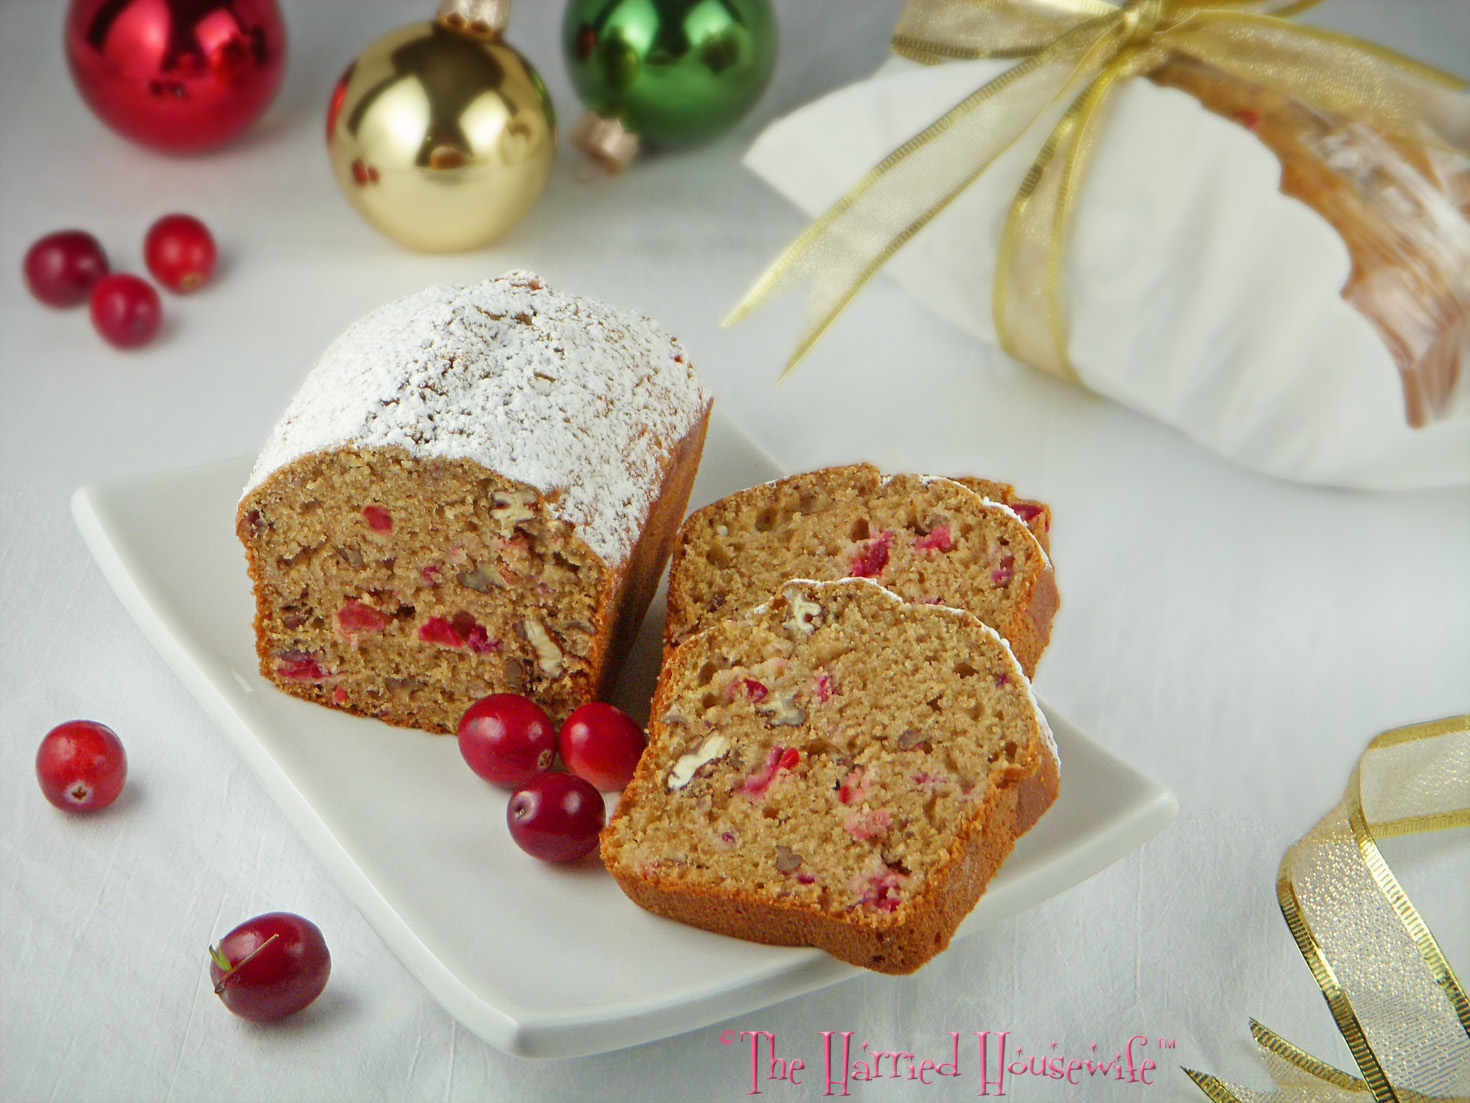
839	769
475	490
927	539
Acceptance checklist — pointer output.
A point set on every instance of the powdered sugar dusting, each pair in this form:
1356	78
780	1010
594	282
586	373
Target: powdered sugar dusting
555	391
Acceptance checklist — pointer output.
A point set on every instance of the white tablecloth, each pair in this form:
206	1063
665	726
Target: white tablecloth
1237	638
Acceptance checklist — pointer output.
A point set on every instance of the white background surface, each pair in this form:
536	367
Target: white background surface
1238	638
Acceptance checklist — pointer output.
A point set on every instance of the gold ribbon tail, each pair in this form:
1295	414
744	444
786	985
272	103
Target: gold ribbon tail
1029	290
843	249
1394	996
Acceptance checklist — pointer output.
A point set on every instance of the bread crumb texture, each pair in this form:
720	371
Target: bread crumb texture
839	769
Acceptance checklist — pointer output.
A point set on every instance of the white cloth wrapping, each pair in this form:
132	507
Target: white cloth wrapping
1196	291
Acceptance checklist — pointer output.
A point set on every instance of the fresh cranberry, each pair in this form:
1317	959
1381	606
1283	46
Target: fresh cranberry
378	518
126	310
81	766
479	640
270	966
62	268
179	251
1002	574
506	738
457	631
854	787
473	633
601	743
885	889
556	817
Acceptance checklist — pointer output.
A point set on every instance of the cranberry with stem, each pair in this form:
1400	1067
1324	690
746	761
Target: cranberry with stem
506	738
62	268
180	252
81	766
601	743
270	966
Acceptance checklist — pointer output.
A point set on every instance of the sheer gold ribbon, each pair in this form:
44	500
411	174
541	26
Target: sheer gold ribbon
1077	49
1394	997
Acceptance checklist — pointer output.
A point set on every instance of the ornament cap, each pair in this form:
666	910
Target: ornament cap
485	19
604	140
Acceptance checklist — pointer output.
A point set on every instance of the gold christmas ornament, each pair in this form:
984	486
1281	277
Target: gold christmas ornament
441	135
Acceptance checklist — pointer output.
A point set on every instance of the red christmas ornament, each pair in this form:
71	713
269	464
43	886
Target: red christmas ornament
176	75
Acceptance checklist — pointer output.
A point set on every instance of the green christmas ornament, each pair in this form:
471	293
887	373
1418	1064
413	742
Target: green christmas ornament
664	72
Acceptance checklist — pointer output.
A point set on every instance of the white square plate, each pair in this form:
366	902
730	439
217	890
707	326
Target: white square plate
539	960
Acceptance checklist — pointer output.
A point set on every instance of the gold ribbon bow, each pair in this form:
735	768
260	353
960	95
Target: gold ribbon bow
1079	49
1396	1000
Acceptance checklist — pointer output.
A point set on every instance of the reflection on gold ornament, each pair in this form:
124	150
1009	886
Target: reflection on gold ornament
441	135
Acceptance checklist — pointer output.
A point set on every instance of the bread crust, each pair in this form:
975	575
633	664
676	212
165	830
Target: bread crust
897	947
655	545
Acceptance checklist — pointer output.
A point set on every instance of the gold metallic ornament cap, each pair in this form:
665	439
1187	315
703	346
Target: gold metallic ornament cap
605	141
485	19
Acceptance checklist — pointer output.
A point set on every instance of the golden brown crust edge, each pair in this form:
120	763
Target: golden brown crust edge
655	546
1029	631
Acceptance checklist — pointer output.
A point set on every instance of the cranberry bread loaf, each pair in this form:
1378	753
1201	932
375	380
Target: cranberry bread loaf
839	769
474	491
1402	210
926	539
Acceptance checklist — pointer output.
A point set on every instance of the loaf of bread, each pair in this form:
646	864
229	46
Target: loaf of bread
1402	210
839	769
926	539
474	491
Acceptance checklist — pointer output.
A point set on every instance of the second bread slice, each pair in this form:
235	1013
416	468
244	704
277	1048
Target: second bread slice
929	540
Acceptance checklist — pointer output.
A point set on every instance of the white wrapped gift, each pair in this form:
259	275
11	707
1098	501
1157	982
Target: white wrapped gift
1196	292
